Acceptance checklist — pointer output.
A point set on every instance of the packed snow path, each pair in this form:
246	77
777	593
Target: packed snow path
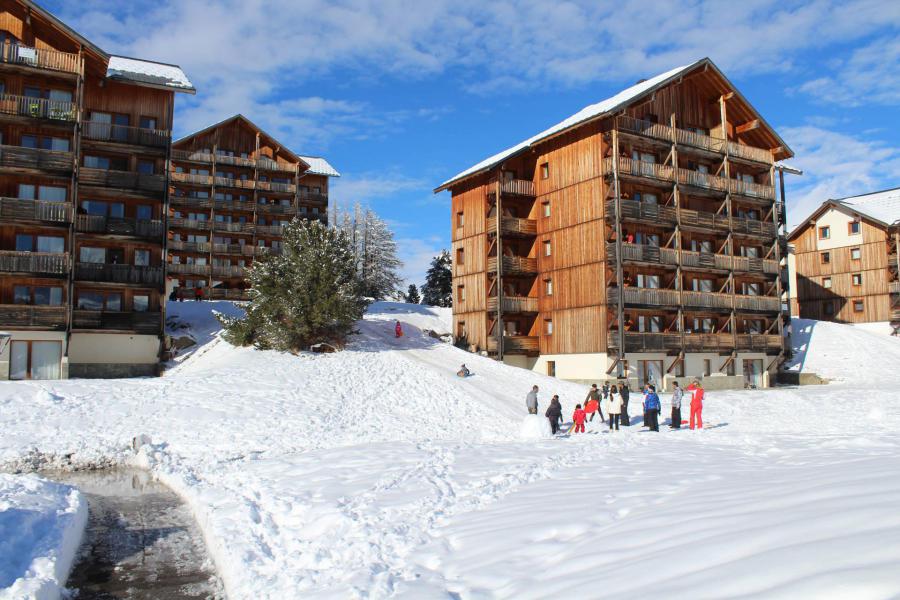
375	472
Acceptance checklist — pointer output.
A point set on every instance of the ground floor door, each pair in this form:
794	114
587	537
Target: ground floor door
753	372
650	372
35	359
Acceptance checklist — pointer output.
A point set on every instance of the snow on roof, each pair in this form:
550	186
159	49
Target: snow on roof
319	166
148	73
882	206
594	110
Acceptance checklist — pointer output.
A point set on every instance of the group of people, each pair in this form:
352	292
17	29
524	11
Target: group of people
615	398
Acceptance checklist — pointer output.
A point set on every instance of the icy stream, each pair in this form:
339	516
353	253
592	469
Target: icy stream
141	541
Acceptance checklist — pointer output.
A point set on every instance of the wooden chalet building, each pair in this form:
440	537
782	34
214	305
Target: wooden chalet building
232	188
84	140
641	238
844	261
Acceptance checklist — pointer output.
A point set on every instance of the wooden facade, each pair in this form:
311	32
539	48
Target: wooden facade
846	266
83	192
232	188
669	199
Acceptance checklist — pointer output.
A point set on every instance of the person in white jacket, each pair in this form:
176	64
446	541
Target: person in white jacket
614	408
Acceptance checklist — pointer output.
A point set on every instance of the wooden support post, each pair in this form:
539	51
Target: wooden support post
499	217
620	279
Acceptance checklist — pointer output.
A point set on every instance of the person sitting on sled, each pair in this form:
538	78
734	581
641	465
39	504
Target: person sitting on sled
398	330
463	371
578	417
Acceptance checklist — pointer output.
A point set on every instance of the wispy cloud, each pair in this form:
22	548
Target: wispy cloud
870	76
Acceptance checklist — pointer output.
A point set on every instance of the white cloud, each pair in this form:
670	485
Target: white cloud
870	76
365	187
416	255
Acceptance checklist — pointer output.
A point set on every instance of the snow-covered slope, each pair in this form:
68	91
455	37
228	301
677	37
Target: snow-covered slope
376	472
844	352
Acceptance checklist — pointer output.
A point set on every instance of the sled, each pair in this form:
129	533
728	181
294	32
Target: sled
591	406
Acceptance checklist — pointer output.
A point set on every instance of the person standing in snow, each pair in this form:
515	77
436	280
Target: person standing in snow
651	409
398	330
531	401
614	408
554	414
624	392
578	418
677	395
594	394
696	389
605	391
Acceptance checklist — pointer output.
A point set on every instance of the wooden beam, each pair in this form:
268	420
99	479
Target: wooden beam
748	126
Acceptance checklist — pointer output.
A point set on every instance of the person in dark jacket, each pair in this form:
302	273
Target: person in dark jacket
554	414
677	395
652	408
624	392
594	394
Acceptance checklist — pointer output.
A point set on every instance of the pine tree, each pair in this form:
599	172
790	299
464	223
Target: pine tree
374	251
412	295
438	288
308	294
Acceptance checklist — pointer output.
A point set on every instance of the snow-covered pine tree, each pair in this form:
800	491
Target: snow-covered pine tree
438	288
374	249
412	294
308	294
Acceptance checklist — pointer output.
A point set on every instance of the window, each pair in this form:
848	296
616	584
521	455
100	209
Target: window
853	227
460	256
545	170
828	308
146	167
824	257
461	293
142	258
141	303
90	301
548	326
547	248
858	306
47	243
826	283
545	208
148	123
824	232
551	368
144	212
548	287
460	219
857	278
461	329
855	254
92	255
37	295
707	367
24	243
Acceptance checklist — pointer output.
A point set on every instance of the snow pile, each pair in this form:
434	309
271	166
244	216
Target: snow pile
535	427
41	524
844	352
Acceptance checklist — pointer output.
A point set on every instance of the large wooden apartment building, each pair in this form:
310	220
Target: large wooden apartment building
642	238
233	187
84	140
844	261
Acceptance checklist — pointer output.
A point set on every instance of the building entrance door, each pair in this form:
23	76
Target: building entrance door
650	372
753	372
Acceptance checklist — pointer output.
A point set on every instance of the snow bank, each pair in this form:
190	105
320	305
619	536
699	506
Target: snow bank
535	427
41	524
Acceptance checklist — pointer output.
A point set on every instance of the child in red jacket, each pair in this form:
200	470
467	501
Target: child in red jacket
696	404
578	417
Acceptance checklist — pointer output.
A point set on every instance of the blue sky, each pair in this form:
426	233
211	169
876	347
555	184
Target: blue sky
400	95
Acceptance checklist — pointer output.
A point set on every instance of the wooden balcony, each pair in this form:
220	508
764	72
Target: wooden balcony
38	108
233	227
514	304
227	294
267	164
513	187
179	223
754	265
270	230
753	227
757	303
12	53
277	209
233	182
751	153
703	181
516	344
191	178
138	322
36	263
188	269
645	342
233	205
642	253
707	300
646	129
14	209
702	220
700	141
190	202
758	342
179	246
141	228
640	170
635	296
705	260
35	159
311	196
751	190
196	156
124	134
238	161
235	249
108	273
514	265
276	186
708	342
644	212
228	271
512	226
33	317
122	180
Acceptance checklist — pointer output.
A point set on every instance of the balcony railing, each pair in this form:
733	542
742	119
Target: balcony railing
148	229
124	134
273	230
233	227
701	180
643	296
190	201
14	209
37	108
703	220
757	303
239	161
271	165
644	128
44	263
226	294
238	249
39	58
704	260
754	227
516	344
645	341
233	182
25	315
708	342
227	271
194	178
233	205
750	153
707	300
758	342
177	222
139	322
311	196
512	226
18	157
514	265
752	190
188	268
277	209
644	211
516	187
700	141
514	304
192	155
181	246
119	273
126	180
644	253
638	168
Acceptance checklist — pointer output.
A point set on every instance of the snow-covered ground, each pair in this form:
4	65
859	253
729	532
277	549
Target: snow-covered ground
376	472
41	524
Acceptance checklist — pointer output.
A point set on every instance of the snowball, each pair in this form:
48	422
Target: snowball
535	427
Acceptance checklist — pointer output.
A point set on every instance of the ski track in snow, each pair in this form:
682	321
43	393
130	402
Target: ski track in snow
376	472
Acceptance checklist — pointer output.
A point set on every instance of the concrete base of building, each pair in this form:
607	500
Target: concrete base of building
789	378
112	370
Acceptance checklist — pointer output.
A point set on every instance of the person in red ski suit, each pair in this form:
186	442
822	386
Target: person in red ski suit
578	417
398	330
696	390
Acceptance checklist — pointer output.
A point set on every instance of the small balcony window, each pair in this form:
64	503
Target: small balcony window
854	227
824	232
460	219
460	256
857	279
825	257
545	206
826	283
548	287
461	293
855	254
545	170
547	248
548	326
858	306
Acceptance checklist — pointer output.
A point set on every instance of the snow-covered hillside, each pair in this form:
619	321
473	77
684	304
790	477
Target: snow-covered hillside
376	472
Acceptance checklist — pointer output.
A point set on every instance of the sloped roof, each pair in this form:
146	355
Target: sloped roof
319	166
250	124
883	207
600	109
146	72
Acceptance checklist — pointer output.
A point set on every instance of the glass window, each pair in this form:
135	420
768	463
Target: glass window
825	257
26	191
855	253
141	303
21	295
90	301
858	306
29	141
24	243
114	302
45	360
824	232
545	170
52	194
147	167
826	282
854	228
47	243
92	255
857	279
117	210
96	162
148	123
32	92
144	212
48	296
61	144
142	258
92	207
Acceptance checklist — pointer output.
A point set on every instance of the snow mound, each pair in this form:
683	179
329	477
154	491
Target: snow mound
41	524
422	316
844	352
535	427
